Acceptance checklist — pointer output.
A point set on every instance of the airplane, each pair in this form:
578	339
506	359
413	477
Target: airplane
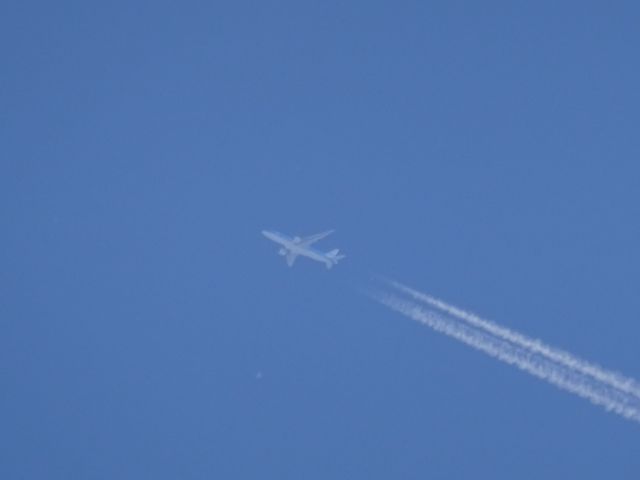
292	247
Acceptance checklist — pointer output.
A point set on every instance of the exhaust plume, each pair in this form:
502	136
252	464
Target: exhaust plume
535	363
536	346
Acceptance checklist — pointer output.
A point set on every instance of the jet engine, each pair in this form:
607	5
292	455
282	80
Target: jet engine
282	251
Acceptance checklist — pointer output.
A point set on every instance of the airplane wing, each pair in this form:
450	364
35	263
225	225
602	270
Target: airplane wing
291	257
306	241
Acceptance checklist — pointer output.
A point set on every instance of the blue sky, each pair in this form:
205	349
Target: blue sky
487	154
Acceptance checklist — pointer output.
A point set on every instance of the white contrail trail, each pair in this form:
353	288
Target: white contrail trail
565	358
525	359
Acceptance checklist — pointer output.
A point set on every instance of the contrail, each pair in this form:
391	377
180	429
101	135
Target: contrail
537	365
562	357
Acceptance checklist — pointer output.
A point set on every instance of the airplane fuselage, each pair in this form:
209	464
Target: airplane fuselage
290	244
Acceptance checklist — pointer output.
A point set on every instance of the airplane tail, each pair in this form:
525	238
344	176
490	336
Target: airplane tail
334	256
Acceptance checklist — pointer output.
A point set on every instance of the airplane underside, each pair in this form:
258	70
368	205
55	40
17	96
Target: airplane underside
292	248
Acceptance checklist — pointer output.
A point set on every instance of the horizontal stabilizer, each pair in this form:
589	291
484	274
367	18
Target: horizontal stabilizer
335	254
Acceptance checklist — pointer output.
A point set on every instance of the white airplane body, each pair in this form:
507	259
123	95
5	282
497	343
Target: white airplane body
291	247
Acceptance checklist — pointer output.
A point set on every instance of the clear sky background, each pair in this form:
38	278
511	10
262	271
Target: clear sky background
487	153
